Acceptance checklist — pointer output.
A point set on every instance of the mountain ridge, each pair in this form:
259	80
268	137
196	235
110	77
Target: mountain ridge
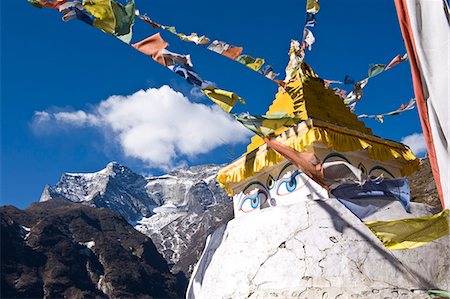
177	210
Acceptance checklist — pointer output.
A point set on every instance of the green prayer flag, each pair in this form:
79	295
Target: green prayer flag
264	125
376	69
124	20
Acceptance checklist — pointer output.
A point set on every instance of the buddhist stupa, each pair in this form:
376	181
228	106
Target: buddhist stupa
325	126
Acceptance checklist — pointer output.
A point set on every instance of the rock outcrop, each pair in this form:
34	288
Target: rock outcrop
60	249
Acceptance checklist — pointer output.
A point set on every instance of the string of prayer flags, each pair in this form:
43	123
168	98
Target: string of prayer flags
220	47
402	108
375	69
114	18
264	125
225	49
253	63
146	19
152	46
225	99
194	38
308	39
396	60
357	92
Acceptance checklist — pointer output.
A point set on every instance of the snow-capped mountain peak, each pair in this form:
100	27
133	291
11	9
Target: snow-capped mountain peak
115	187
177	210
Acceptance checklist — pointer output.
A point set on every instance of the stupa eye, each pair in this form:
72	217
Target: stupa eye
252	202
290	184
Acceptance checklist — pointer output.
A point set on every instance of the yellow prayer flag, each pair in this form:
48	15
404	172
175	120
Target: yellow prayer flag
256	65
412	232
225	99
312	6
103	12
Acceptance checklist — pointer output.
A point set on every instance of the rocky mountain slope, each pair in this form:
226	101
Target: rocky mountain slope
177	210
423	186
59	249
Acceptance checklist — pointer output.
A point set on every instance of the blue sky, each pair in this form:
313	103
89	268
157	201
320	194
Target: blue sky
49	67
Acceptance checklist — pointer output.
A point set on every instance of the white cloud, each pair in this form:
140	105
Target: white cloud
416	142
77	118
159	126
41	116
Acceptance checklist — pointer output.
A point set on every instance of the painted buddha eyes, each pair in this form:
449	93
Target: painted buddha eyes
290	184
252	202
254	199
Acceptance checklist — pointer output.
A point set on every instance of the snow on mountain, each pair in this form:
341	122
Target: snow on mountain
116	187
177	210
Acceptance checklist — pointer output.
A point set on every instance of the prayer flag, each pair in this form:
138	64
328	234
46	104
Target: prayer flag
124	17
174	58
152	46
310	20
411	232
357	197
264	125
312	6
253	63
193	37
103	13
349	80
308	38
189	74
225	99
397	59
375	69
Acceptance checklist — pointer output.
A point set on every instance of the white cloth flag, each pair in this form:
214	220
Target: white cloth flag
426	31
